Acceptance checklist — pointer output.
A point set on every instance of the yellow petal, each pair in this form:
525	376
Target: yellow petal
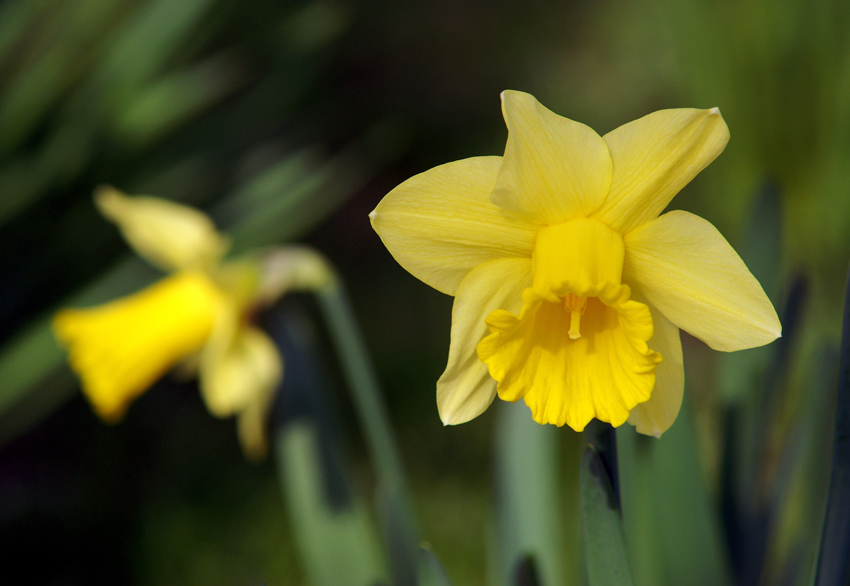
684	267
252	423
465	390
440	224
655	157
655	416
239	364
166	234
121	348
261	368
554	169
604	373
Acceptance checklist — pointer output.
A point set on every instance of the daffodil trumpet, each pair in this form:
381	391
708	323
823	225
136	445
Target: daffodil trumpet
198	315
570	285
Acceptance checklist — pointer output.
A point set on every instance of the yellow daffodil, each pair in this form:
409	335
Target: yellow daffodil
569	287
198	313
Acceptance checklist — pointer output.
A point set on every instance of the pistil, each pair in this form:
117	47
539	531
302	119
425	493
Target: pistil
576	306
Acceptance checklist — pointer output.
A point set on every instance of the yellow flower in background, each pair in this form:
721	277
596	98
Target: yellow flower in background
569	287
121	348
197	314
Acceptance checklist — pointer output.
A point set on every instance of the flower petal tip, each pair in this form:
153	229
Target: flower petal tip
447	420
515	94
372	215
714	111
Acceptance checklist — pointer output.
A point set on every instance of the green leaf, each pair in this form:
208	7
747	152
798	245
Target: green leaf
834	559
640	522
525	572
337	546
605	545
691	542
536	497
162	105
394	500
431	571
144	41
668	511
282	201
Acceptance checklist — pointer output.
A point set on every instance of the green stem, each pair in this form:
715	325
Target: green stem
374	420
601	436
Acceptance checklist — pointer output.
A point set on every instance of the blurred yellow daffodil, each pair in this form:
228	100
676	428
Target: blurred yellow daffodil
569	287
197	315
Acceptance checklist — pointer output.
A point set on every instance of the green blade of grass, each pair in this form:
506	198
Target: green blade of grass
686	530
431	571
398	523
337	546
759	249
834	559
640	523
531	505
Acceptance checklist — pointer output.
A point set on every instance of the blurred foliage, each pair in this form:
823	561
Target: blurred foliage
271	116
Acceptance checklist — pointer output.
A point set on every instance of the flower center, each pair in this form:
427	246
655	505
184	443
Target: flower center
576	306
603	371
574	261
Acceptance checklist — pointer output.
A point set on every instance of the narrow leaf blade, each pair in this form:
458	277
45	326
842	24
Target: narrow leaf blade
431	570
834	559
337	546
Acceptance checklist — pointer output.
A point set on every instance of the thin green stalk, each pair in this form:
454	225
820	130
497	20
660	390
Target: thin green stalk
398	518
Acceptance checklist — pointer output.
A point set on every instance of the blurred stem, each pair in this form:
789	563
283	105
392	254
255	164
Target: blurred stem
363	384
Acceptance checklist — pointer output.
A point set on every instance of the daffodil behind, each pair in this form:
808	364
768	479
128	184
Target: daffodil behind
198	315
569	287
121	348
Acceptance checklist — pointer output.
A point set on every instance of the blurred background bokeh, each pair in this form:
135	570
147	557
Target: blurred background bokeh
287	122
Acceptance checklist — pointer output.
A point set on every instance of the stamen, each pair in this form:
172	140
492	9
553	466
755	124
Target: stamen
576	306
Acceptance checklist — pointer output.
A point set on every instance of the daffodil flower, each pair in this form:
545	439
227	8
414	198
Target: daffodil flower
198	315
570	288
